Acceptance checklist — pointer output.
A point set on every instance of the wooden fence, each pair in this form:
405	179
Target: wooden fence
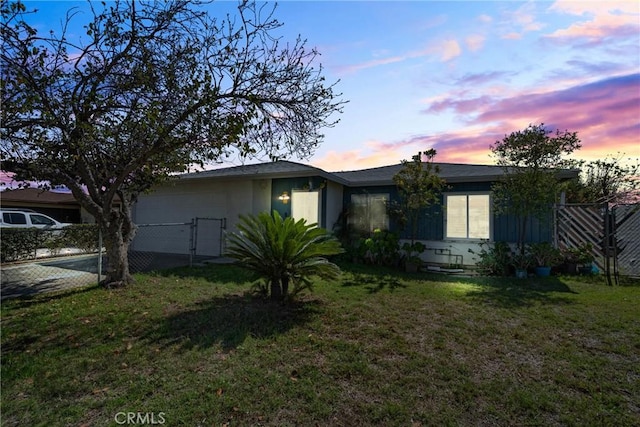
614	233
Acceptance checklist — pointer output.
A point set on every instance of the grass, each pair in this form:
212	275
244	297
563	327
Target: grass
194	347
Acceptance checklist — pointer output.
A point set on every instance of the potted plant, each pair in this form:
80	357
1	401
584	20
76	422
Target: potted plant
545	256
413	261
584	257
521	262
570	257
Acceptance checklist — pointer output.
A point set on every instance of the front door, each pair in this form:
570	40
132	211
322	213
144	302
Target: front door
306	204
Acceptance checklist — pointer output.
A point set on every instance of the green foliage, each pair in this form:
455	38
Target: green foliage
582	254
531	160
283	251
498	259
22	243
494	259
152	88
609	180
82	236
545	254
419	186
413	250
382	248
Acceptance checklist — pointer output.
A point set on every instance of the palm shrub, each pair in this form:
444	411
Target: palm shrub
283	251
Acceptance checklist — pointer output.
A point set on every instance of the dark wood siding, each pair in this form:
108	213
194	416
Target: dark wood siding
280	185
431	225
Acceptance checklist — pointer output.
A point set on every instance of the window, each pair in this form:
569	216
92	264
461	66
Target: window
468	216
41	220
369	212
14	218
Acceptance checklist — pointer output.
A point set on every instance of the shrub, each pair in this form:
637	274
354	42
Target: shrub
21	243
545	254
81	236
494	260
383	248
283	251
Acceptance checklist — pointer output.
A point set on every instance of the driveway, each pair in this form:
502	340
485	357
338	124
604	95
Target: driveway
48	275
68	272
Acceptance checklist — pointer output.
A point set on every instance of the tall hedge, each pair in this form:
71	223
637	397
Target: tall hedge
22	243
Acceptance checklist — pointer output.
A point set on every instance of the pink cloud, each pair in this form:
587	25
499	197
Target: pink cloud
605	114
444	50
371	64
448	50
602	20
6	179
8	182
475	42
357	159
461	106
523	20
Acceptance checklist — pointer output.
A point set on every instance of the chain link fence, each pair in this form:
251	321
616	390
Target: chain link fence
35	261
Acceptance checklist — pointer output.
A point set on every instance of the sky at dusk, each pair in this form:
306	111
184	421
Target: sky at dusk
458	76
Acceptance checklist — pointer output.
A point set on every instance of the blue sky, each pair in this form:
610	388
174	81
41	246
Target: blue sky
459	75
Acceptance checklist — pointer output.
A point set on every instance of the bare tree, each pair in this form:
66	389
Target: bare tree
154	88
609	180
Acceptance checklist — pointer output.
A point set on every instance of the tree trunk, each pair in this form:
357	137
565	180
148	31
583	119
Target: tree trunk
523	233
118	232
285	287
276	291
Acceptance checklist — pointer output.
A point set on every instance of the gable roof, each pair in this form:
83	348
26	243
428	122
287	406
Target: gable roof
451	172
383	175
278	169
36	195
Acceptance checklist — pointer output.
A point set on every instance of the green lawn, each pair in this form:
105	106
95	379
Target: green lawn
193	347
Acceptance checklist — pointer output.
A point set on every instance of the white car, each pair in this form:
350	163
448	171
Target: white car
25	218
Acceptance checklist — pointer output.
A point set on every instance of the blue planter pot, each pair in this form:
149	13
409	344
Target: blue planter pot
543	271
521	273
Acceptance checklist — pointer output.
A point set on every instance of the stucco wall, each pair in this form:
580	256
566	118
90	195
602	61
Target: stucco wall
182	201
333	203
449	252
261	196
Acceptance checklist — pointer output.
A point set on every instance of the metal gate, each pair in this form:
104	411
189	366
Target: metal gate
614	233
164	245
626	220
208	236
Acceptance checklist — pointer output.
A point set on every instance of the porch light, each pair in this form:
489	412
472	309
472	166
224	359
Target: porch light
284	197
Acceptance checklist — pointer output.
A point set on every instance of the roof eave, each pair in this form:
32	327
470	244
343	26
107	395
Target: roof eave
266	175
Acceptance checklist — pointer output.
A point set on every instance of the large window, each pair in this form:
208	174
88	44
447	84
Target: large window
468	216
369	212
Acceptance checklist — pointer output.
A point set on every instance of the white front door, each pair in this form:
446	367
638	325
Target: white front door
306	204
